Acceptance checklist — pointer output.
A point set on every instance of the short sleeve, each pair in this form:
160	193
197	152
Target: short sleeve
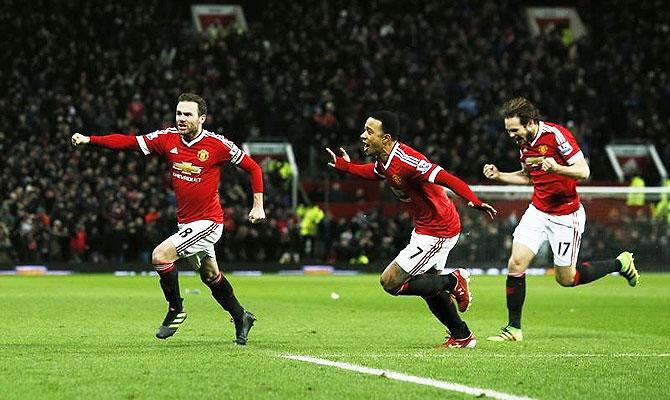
567	146
231	152
423	170
153	143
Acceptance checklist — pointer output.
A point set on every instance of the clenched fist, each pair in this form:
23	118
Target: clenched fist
491	171
78	139
549	165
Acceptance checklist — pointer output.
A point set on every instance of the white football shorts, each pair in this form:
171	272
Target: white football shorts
564	233
425	252
195	241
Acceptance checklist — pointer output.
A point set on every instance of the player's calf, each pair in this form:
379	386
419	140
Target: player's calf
564	280
169	282
390	287
430	284
590	271
393	278
223	293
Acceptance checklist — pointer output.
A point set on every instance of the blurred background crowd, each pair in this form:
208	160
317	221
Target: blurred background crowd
307	72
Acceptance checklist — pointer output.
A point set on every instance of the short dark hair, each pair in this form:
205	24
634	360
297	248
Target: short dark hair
389	120
520	107
202	106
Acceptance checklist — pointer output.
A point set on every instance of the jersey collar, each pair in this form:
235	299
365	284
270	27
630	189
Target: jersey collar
195	140
540	129
396	145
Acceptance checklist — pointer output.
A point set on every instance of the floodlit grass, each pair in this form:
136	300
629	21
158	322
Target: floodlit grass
92	336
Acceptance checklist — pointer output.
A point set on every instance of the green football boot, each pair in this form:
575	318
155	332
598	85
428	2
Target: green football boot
628	270
507	334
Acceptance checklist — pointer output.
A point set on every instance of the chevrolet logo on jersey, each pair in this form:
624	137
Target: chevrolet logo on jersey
534	161
187	168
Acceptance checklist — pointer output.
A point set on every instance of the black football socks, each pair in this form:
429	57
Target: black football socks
590	271
223	293
443	308
427	285
169	281
515	288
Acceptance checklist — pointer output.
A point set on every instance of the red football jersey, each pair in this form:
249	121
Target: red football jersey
195	168
410	175
554	194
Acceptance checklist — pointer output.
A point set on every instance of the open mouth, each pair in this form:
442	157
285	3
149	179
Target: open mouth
365	147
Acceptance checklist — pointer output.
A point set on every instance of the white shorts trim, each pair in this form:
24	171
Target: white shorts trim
425	252
197	239
563	232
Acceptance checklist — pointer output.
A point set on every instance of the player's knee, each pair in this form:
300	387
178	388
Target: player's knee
516	265
565	280
383	281
208	276
389	285
158	256
392	290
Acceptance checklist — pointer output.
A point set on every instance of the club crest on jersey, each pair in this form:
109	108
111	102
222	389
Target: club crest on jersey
203	155
187	168
543	149
423	166
396	179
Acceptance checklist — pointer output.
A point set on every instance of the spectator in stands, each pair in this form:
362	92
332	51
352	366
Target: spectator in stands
112	68
6	249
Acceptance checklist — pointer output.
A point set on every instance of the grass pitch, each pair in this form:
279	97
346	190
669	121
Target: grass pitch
92	336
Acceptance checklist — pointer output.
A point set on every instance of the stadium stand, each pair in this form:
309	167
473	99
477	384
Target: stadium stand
445	66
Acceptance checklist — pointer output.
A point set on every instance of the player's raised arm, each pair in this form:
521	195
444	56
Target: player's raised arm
441	177
255	172
343	163
520	177
344	158
114	141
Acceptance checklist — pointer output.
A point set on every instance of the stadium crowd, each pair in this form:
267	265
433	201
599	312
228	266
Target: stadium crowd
445	67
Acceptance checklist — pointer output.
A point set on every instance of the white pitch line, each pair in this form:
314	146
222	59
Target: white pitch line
557	355
454	387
